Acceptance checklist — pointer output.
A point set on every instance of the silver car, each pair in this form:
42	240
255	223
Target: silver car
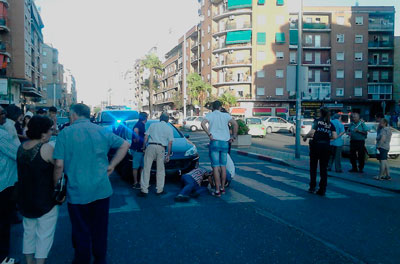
306	125
193	123
277	124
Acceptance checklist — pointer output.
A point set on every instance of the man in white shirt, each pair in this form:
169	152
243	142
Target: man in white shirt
218	132
159	136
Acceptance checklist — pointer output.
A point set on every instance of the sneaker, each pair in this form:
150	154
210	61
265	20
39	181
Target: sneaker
142	194
216	194
311	190
321	192
222	191
10	261
161	193
136	186
181	198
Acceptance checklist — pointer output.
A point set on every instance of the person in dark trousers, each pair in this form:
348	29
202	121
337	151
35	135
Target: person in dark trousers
358	132
321	133
194	183
81	152
137	148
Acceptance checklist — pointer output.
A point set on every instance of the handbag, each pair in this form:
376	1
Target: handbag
60	191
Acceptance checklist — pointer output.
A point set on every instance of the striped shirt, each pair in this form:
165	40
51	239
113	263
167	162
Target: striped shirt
197	174
8	160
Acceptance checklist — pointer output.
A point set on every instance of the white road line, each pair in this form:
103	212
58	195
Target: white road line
233	196
271	191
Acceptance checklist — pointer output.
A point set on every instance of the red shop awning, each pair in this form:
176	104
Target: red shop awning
281	110
262	111
238	111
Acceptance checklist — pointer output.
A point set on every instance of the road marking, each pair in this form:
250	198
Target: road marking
271	191
232	196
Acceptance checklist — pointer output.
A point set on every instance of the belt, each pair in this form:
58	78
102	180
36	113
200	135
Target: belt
158	144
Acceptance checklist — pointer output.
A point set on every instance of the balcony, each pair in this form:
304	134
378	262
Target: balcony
381	45
5	2
227	13
3	24
316	47
232	27
233	63
194	59
381	27
316	27
222	47
229	80
318	91
376	63
195	45
380	91
326	63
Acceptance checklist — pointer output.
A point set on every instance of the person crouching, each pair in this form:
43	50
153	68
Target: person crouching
194	183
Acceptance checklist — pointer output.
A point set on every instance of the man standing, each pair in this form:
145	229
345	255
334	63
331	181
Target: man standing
53	117
137	147
8	177
337	144
358	132
13	112
218	132
159	136
81	152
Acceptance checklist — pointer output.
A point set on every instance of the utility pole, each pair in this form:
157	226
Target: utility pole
184	76
299	80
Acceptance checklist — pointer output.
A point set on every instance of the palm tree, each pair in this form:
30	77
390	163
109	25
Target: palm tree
152	63
228	100
198	90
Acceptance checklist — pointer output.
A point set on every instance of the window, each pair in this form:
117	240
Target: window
339	74
208	61
208	77
202	48
339	56
385	57
359	20
358	74
202	2
309	19
209	29
44	77
261	2
279	55
280	20
340	20
261	38
208	12
340	38
375	76
279	2
208	45
202	33
261	74
44	66
310	74
280	37
385	75
261	55
308	56
358	91
309	39
385	39
279	91
261	20
202	63
44	53
359	39
279	74
293	56
260	91
339	91
358	56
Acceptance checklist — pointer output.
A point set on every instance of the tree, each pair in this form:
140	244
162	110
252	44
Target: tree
152	63
198	90
178	100
228	100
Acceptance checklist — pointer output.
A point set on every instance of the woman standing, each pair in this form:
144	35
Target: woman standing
383	138
321	133
35	190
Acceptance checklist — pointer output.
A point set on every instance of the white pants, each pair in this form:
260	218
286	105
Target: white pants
39	234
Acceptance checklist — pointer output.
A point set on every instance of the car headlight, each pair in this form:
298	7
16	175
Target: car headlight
191	152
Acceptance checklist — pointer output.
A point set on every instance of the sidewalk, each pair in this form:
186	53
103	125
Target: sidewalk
288	159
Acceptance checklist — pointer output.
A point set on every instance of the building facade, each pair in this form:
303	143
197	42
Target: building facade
396	74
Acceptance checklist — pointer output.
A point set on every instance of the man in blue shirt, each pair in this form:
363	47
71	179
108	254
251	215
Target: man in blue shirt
137	147
337	144
81	152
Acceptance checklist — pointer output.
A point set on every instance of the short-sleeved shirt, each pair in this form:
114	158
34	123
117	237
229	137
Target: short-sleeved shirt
385	144
83	147
323	130
361	126
160	133
218	125
138	146
197	174
339	129
8	160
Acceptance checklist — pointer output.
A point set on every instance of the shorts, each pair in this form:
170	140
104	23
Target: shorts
219	153
137	160
383	154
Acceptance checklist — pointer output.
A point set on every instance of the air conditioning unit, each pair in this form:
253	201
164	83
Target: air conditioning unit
216	55
232	17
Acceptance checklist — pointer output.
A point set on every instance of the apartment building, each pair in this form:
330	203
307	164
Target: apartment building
70	84
396	73
249	46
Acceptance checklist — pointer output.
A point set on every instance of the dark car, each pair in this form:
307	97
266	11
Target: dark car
184	156
113	118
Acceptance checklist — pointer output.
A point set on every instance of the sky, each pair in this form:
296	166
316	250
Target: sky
98	39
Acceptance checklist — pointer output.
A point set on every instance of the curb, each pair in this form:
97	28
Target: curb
286	163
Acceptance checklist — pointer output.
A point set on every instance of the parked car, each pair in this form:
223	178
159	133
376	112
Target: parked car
256	128
115	117
184	155
193	123
306	125
277	124
370	142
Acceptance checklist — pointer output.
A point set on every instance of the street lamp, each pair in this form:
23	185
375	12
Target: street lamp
299	79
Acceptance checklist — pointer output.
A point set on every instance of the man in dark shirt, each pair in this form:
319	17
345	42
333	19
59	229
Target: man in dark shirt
137	147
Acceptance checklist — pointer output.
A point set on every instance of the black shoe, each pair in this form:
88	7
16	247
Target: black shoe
142	194
181	198
320	192
311	190
161	193
353	171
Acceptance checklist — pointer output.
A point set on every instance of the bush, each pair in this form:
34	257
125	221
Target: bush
243	128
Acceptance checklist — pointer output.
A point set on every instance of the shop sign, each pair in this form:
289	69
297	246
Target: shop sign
267	104
311	104
333	105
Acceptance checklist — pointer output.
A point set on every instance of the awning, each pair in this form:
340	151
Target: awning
261	38
280	37
281	110
238	111
234	4
237	37
279	2
262	111
261	2
294	36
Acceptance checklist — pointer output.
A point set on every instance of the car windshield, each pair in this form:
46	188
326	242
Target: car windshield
112	116
253	121
131	124
308	123
191	118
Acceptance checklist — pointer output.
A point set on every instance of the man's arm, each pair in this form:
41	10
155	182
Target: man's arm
118	157
58	170
169	151
8	147
235	127
146	138
205	128
136	135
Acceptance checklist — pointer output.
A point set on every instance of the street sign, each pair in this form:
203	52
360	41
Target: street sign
3	87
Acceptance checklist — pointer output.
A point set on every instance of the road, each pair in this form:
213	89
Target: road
266	217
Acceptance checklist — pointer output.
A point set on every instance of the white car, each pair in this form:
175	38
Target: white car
306	125
370	142
277	124
193	123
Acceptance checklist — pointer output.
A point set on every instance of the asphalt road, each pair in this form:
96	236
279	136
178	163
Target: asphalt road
266	217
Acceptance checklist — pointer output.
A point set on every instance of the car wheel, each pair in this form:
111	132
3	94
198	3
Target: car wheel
394	156
269	130
193	128
291	130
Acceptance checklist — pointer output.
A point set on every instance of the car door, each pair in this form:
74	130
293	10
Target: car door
283	125
274	124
